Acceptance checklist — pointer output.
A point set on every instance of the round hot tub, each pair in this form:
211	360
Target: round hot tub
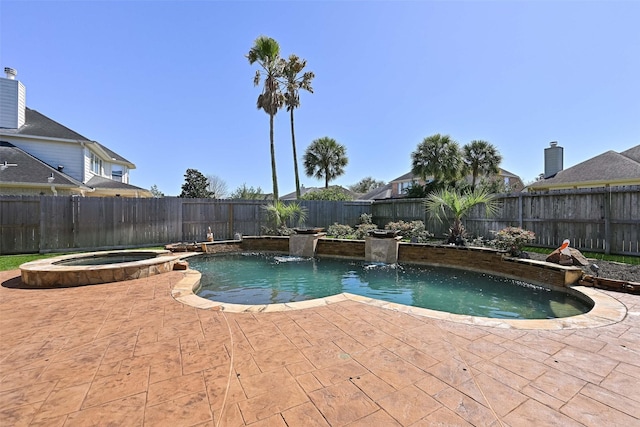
96	267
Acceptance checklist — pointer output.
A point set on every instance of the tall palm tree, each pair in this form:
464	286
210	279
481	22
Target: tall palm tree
481	158
325	158
266	52
294	82
437	156
451	203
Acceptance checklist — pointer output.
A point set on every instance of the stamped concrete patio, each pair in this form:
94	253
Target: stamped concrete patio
128	354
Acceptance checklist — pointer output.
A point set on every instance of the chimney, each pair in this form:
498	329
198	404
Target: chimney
12	101
553	159
11	73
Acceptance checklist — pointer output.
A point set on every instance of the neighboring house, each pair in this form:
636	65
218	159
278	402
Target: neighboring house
609	169
398	187
40	156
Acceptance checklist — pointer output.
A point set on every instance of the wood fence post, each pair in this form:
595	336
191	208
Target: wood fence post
42	225
520	210
231	230
607	221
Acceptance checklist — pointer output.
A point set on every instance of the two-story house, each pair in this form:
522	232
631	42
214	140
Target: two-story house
398	187
41	156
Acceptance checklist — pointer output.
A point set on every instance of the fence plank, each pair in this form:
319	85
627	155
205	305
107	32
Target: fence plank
606	219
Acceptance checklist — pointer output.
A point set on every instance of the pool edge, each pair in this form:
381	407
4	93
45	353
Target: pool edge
606	309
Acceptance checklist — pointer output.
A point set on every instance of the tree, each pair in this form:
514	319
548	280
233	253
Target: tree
156	191
195	185
438	156
452	203
247	193
365	185
283	216
325	158
332	193
481	158
294	82
266	52
217	187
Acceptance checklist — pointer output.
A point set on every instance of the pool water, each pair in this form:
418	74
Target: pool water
268	279
115	258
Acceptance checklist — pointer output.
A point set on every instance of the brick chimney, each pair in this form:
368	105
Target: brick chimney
12	100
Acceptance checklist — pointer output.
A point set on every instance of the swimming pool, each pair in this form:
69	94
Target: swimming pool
253	278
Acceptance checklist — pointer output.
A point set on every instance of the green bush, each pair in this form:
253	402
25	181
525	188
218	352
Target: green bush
414	231
366	218
282	217
362	230
340	231
331	193
513	239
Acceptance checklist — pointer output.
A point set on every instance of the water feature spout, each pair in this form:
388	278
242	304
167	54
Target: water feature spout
304	241
382	246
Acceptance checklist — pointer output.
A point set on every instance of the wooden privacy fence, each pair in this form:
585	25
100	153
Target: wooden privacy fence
597	220
600	220
31	224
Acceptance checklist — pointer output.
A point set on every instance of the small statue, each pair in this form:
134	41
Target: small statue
209	235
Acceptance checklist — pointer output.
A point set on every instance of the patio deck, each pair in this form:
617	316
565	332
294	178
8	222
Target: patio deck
128	354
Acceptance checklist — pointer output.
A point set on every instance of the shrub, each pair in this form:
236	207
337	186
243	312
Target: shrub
331	193
513	239
340	231
362	230
366	218
414	231
281	218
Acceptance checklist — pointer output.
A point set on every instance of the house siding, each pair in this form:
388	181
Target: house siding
54	153
12	99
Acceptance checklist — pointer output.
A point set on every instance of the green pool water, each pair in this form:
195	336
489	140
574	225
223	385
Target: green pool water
268	279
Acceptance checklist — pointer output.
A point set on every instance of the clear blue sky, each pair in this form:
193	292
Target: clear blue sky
166	84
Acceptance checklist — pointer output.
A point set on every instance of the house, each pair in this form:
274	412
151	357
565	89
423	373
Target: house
609	169
398	187
41	156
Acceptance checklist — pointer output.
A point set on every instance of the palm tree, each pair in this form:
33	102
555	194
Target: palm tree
437	156
481	158
285	215
325	158
294	83
266	52
446	203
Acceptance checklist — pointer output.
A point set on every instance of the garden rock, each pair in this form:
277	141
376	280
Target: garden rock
576	258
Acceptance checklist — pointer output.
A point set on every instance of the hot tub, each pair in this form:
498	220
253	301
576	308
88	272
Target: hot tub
96	267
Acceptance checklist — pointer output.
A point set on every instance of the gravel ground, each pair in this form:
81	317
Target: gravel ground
608	269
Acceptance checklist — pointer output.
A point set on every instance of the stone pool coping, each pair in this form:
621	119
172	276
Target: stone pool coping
606	310
52	273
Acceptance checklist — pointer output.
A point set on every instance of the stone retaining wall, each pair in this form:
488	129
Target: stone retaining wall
469	258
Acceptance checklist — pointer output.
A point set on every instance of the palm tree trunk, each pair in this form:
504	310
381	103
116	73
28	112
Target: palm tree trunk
274	175
295	157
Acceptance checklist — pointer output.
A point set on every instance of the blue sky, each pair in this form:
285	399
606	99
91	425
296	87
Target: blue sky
166	84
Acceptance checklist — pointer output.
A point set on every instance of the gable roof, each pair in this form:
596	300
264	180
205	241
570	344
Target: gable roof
384	192
34	173
37	124
608	168
409	176
100	182
30	170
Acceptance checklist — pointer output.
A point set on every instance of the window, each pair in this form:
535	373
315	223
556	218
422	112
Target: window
96	164
116	174
404	186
